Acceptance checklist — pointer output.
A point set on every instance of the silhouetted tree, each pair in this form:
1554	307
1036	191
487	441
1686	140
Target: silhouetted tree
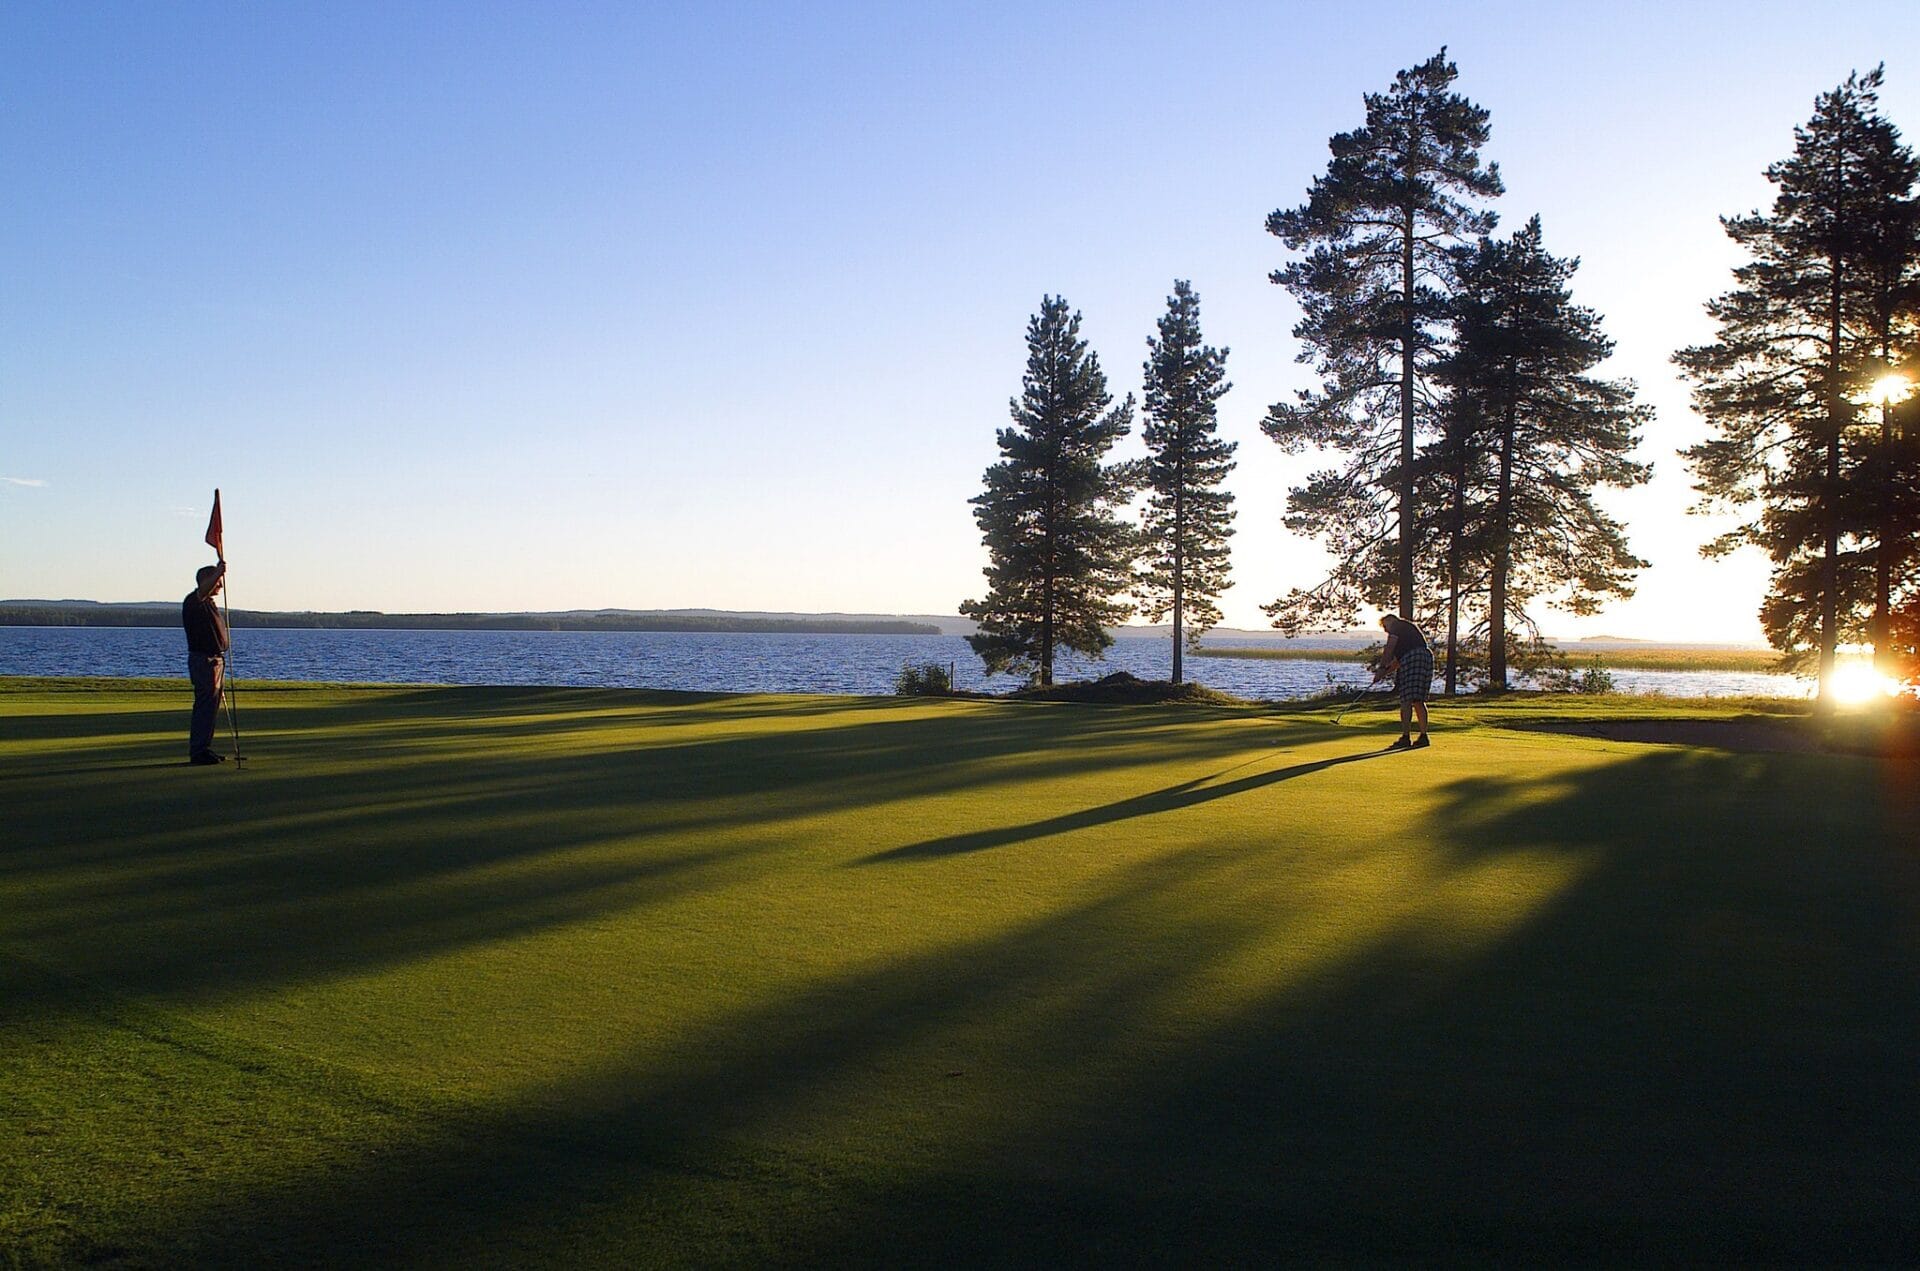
1526	417
1903	641
1887	483
1374	285
1781	387
1189	518
1059	557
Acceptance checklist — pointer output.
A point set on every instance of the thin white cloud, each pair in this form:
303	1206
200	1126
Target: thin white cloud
29	481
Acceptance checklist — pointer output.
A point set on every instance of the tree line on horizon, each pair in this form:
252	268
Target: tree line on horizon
95	614
1467	433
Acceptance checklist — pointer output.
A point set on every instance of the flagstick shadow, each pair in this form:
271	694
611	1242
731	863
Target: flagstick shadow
1185	795
81	769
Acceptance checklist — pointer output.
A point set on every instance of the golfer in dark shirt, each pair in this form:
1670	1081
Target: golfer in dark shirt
207	645
1409	658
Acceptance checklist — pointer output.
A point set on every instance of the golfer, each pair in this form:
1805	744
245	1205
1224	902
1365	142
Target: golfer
207	644
1410	661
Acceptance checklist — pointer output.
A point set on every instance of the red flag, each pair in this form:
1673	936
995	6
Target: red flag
213	528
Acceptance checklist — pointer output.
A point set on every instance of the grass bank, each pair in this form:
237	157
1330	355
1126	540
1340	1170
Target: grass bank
489	977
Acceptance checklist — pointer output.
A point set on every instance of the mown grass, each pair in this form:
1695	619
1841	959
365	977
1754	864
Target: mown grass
523	977
1629	658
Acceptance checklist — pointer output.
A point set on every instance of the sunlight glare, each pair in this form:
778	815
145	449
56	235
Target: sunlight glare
1857	682
1890	390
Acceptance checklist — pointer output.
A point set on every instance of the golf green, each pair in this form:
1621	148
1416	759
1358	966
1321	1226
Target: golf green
560	977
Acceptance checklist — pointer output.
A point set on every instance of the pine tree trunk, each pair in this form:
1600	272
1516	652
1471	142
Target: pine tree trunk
1883	659
1046	637
1406	420
1176	636
1179	596
1830	558
1502	555
1457	532
1453	635
1046	604
1830	571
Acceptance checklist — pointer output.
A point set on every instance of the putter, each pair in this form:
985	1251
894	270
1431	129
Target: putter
1354	699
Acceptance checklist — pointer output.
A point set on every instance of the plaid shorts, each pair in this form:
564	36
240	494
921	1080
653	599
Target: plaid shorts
1413	678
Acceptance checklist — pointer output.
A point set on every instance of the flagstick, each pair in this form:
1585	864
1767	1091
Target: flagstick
232	694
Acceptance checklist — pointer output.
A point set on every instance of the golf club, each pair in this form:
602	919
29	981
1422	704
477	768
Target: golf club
1355	698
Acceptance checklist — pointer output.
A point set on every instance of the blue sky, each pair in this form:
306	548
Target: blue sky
479	306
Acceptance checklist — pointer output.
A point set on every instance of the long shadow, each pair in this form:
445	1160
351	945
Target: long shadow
79	770
66	717
1698	1048
1185	795
198	882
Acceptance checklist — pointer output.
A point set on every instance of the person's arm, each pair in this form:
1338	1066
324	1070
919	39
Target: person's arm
1390	656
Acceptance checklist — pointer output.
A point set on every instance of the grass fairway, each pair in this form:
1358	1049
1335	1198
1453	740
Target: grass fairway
532	977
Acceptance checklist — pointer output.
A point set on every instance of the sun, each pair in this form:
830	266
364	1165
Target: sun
1890	390
1856	682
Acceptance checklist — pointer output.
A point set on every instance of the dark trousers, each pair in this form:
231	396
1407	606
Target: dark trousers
206	670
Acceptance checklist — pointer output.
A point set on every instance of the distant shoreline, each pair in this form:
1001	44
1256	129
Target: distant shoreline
56	614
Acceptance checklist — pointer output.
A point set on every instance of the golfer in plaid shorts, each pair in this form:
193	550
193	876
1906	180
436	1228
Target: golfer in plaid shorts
1410	659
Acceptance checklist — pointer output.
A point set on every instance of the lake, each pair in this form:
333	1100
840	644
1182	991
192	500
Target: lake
711	662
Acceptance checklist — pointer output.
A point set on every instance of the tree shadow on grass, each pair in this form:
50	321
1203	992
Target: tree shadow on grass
1185	795
1695	1044
66	715
140	764
359	849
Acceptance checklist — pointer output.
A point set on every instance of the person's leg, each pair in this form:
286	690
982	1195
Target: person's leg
200	733
206	675
1421	686
1406	714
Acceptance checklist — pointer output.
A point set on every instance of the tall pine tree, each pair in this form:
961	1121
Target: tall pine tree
1544	434
1782	386
1189	518
1059	556
1888	481
1374	285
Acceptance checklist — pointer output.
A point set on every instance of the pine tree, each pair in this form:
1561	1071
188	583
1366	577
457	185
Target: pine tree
1781	387
1059	557
1189	518
1521	399
1888	486
1374	286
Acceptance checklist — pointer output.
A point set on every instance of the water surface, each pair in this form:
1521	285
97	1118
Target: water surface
712	661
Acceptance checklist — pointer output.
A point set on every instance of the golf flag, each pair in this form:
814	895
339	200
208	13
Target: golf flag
213	528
